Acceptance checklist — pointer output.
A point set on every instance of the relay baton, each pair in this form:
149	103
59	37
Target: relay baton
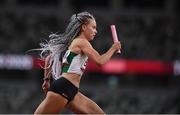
114	35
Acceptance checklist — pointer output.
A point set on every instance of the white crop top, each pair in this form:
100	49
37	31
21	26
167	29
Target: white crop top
74	63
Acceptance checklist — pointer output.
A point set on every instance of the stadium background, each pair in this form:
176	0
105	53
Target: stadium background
148	81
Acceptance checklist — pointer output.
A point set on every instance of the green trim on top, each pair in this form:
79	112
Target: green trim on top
69	60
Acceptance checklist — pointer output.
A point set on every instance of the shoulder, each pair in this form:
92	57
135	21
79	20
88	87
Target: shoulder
82	42
77	45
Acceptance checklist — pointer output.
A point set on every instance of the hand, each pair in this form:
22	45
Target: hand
46	85
116	46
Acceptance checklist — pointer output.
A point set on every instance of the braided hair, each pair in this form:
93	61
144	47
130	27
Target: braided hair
59	43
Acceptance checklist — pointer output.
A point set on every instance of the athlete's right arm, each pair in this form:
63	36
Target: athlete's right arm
88	50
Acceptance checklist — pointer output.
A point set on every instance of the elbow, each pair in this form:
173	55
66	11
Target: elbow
100	63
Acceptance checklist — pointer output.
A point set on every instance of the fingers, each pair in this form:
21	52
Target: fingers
45	89
117	46
45	86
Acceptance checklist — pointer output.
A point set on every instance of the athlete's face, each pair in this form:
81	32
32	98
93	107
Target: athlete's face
89	29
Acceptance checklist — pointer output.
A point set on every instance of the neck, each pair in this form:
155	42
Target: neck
82	36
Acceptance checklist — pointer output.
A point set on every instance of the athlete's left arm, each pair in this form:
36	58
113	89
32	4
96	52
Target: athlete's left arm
47	75
47	69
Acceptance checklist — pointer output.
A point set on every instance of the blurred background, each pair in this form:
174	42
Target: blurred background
143	79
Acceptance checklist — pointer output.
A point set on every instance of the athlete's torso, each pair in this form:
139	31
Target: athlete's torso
74	63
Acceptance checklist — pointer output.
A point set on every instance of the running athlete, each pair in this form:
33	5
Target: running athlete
68	54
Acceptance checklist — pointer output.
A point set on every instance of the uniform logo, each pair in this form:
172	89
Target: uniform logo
65	95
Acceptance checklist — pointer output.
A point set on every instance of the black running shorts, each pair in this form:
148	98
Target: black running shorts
64	87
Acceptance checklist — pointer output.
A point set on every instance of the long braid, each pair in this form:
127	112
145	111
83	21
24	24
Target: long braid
58	43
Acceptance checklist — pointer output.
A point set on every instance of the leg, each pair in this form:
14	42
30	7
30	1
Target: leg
53	103
83	105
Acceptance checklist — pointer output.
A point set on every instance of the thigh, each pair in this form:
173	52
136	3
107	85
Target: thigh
83	105
52	104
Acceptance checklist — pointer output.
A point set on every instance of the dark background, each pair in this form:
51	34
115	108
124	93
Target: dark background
148	30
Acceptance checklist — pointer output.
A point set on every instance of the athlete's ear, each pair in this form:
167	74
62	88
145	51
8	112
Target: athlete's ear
83	27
